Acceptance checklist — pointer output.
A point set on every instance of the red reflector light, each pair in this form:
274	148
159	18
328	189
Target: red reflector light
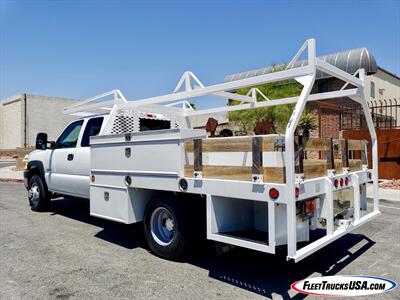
336	183
341	181
309	206
150	116
93	178
296	192
273	193
346	181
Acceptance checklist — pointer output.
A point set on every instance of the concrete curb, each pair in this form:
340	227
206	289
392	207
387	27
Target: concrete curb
391	202
11	180
389	195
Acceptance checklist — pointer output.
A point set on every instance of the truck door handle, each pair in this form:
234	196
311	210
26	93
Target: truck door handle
70	157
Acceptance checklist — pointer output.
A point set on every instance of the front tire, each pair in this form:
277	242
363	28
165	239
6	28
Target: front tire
164	227
37	194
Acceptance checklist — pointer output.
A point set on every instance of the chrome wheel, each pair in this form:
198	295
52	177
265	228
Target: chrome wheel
34	194
162	226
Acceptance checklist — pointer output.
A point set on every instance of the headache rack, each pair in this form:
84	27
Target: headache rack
233	170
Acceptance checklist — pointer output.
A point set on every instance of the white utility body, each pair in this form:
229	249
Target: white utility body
129	163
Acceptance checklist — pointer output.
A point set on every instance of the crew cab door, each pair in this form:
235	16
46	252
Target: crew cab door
62	160
82	156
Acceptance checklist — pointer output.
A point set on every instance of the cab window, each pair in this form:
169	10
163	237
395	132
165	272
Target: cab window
69	137
93	127
152	124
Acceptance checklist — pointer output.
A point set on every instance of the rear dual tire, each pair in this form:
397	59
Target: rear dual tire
164	227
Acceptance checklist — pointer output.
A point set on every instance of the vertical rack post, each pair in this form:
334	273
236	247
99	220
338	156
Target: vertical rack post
356	191
364	158
307	81
345	154
361	98
198	158
299	168
257	155
330	157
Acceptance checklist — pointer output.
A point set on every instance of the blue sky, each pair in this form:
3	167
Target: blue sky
80	49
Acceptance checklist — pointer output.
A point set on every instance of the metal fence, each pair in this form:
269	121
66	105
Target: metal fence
385	115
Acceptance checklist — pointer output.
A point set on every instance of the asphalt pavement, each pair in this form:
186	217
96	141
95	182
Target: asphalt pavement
64	253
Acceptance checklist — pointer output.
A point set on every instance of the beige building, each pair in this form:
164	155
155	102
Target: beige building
23	116
382	85
383	94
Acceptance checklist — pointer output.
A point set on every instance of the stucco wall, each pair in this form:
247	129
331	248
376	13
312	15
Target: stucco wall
44	114
387	86
11	123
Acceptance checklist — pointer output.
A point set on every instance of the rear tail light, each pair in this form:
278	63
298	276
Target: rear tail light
336	183
296	192
273	193
341	181
309	206
346	181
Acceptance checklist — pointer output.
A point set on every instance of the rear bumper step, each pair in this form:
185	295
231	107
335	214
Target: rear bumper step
322	242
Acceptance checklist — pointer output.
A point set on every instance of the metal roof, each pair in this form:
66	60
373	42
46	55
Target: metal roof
349	61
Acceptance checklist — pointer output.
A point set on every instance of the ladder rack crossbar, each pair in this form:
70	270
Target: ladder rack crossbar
226	89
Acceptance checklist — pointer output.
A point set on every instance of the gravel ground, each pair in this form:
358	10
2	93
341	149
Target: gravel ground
64	253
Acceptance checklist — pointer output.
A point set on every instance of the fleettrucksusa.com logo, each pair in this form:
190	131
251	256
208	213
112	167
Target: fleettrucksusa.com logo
343	285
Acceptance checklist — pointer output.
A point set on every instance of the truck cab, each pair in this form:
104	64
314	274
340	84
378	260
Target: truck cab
63	166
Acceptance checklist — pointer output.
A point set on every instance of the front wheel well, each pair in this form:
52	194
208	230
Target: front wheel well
33	171
36	168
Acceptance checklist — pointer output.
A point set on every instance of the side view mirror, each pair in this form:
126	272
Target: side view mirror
41	141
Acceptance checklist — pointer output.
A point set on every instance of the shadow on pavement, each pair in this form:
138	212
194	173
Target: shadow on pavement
260	273
127	236
266	274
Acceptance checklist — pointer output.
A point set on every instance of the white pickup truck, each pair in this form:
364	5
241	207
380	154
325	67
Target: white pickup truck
63	167
142	161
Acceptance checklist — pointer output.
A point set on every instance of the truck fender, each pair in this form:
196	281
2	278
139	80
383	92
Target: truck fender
36	167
